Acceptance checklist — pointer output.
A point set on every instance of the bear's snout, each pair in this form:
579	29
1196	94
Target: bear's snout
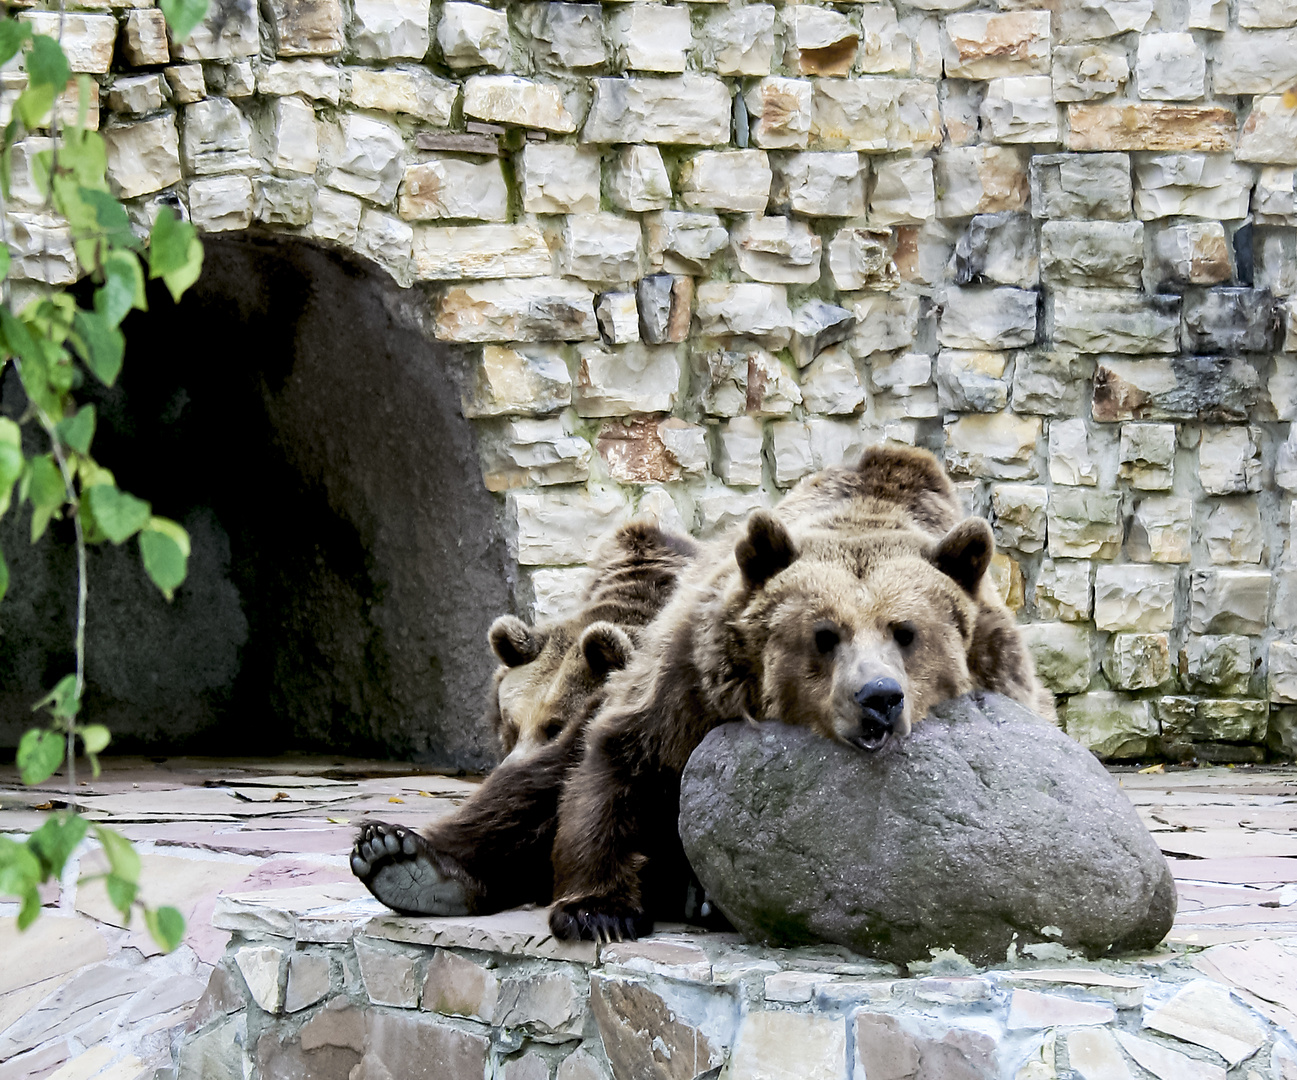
882	705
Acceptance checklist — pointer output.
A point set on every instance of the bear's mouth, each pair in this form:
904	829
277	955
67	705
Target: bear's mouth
874	732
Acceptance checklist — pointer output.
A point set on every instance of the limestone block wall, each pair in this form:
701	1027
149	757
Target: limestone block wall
700	250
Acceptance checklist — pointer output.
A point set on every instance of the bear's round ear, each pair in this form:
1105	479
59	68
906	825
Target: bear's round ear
606	648
965	552
765	550
514	642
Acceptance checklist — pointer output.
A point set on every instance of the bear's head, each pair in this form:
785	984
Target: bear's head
551	678
858	636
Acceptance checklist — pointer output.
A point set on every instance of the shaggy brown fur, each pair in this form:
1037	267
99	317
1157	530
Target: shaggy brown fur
852	612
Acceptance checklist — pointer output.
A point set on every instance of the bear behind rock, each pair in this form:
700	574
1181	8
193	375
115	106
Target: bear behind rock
494	852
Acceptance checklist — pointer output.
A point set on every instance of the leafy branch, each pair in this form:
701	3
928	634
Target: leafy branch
55	345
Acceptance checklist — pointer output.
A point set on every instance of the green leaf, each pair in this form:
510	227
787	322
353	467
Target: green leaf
95	736
164	546
121	892
123	287
118	514
54	841
114	223
100	345
183	16
78	429
40	753
4	576
45	490
46	63
5	261
166	925
62	701
85	154
20	870
175	253
30	910
12	36
123	860
11	460
34	105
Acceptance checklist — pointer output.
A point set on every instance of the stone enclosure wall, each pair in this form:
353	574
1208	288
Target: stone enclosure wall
704	249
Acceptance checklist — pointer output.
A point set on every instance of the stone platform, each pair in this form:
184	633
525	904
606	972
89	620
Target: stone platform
290	970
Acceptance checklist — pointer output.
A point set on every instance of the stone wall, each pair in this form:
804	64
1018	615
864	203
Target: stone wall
705	249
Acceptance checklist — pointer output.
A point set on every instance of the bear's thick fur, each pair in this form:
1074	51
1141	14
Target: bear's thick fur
494	852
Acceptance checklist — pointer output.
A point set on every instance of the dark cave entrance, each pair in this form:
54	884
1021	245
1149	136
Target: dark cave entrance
347	560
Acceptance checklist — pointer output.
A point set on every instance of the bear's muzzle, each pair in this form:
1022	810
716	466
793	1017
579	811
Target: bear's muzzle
882	704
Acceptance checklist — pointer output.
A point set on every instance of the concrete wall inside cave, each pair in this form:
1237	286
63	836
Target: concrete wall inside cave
347	560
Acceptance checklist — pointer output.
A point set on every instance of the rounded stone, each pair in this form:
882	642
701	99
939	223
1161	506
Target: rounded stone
983	829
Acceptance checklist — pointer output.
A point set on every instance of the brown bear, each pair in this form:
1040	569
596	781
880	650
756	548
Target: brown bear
494	852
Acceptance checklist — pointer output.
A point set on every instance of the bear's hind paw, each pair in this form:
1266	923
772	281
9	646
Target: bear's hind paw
593	920
400	868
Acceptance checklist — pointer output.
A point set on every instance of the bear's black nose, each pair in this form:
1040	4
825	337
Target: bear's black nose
884	698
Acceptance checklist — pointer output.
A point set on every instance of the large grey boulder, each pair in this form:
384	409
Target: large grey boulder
984	827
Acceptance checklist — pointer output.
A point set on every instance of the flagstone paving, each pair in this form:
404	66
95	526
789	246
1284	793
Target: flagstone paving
261	846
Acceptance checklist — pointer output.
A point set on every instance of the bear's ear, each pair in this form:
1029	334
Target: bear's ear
965	552
765	550
514	642
606	648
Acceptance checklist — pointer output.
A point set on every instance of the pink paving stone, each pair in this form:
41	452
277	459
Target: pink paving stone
1235	871
1165	1063
1029	1009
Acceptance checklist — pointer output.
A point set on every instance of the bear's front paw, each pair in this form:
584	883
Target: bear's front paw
597	919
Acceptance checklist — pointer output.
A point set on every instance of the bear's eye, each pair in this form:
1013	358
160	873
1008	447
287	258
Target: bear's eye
826	638
903	634
553	730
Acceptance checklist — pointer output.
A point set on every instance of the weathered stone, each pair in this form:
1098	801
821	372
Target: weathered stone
777	249
1148	455
1137	661
1229	601
308	980
521	380
473	36
1188	253
260	967
665	304
816	326
885	1045
1093	21
1282	659
216	1054
216	138
1061	652
1255	62
971	381
627	379
567	36
961	112
819	41
737	381
903	193
618	317
144	37
1021	110
737	180
1209	388
1081	186
1160	530
283	202
479	251
286	136
414	91
1072	460
1229	460
1086	72
545	1004
634	451
685	444
601	248
314	79
820	185
336	217
638	180
1209	15
443	187
1273	201
186	83
780	113
885	47
908	380
1063	590
388	975
390	29
739	41
87	40
1205	1013
41	249
1170	67
1019	516
684	1029
1233	533
1111	725
557	179
995	445
559	527
137	94
1216	664
368	163
986	46
1051	383
1274	255
1269	134
1150	127
507	99
883	322
830	384
998	249
1231	320
456	986
143	157
862	258
1099	253
534	309
306	27
988	318
232	80
745	308
683	243
1084	524
1194	185
1134	597
651	37
223	203
406	1045
787	1044
580	1065
693	109
980	180
914	898
1115	320
739	444
875	114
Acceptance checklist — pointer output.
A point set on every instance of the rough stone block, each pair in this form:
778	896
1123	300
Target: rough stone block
543	1004
1283	672
456	986
1269	134
777	249
651	37
819	41
1188	253
260	967
683	243
1018	512
1216	664
746	308
232	80
388	974
143	157
1084	524
443	187
1137	661
733	382
567	36
988	318
1092	22
306	27
369	161
1115	320
971	381
283	202
480	251
221	204
986	46
1191	185
820	185
1229	601
216	138
1231	320
390	29
637	181
414	91
665	304
337	217
1233	532
1151	127
1134	597
1099	253
1229	460
1021	109
518	380
287	136
875	114
1210	388
137	94
883	322
626	379
144	37
186	83
559	527
738	451
740	41
507	99
1273	202
618	317
314	79
533	309
402	1044
903	193
1081	186
1111	725
830	384
1170	67
998	249
779	1044
1086	72
1255	62
862	258
691	109
1072	461
1148	455
473	36
1051	383
634	452
1061	652
981	180
886	46
87	40
601	248
997	446
1063	590
736	180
